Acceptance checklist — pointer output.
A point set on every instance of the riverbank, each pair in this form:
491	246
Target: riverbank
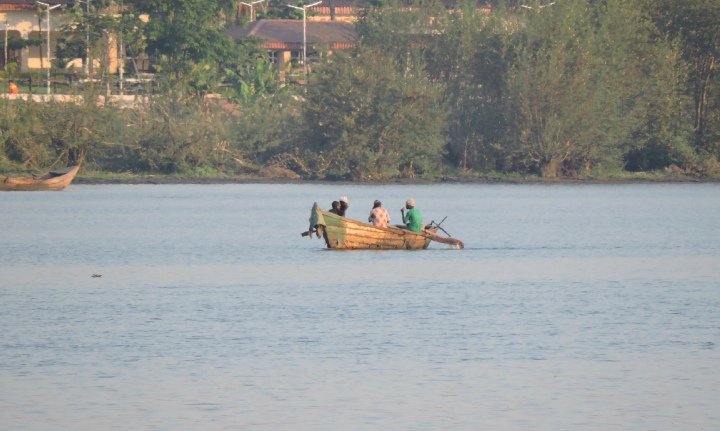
95	178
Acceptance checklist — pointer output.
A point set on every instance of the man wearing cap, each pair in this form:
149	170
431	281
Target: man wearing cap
379	215
335	208
413	218
343	206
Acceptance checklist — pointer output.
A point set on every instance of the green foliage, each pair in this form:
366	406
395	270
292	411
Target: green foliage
694	24
66	50
576	88
96	27
469	58
252	82
18	143
15	43
268	131
203	79
279	10
175	137
38	135
399	32
574	98
369	118
186	32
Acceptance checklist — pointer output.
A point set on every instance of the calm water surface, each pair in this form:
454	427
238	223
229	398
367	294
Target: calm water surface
573	307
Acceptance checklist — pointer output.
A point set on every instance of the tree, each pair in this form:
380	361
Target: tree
468	57
400	32
16	44
186	32
95	30
694	25
370	118
578	95
279	10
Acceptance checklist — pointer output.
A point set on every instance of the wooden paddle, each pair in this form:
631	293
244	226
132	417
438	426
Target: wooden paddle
441	239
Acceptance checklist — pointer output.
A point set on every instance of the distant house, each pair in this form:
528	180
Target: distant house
284	38
23	20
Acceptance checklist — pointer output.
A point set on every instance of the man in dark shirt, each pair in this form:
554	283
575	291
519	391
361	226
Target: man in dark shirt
343	206
335	208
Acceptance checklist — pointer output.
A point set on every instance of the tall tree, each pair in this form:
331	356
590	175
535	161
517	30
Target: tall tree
370	118
578	93
694	24
186	32
468	57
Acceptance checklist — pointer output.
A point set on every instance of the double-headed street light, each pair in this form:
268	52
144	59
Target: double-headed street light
252	9
304	9
49	8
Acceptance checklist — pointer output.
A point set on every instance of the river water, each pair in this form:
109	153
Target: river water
200	307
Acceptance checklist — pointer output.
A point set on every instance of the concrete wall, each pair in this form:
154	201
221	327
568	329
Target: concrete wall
119	101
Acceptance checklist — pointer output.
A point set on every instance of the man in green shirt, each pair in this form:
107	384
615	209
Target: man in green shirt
413	218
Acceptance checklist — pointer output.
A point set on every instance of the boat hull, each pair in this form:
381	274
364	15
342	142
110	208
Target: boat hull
346	234
52	181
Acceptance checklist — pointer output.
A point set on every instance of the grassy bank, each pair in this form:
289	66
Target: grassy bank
99	177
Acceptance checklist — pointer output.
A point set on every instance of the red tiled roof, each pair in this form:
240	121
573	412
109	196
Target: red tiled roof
288	33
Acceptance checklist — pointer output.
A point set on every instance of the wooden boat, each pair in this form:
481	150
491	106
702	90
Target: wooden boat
53	180
344	233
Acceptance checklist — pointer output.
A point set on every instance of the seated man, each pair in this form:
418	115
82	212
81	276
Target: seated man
413	219
343	206
379	215
335	208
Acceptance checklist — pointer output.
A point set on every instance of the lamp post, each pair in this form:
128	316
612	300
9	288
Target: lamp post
304	9
252	9
86	70
6	48
49	8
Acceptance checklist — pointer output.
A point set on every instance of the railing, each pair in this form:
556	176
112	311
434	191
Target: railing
70	84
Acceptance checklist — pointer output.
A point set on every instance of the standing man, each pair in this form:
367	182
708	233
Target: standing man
413	219
379	215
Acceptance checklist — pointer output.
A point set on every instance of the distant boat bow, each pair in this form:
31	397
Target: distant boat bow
53	180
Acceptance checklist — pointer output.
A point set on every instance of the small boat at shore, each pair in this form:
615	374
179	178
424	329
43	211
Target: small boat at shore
53	180
344	233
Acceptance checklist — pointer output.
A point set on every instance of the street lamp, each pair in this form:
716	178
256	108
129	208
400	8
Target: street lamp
86	69
304	9
49	8
6	48
252	9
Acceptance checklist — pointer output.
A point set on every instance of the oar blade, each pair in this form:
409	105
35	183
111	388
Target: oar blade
456	243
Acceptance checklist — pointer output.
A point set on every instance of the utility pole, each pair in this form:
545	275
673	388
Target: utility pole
304	9
6	47
49	8
252	8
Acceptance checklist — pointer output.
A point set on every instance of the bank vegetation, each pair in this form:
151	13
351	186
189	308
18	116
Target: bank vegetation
572	89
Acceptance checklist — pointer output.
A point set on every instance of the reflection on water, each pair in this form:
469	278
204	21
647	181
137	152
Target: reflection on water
572	307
